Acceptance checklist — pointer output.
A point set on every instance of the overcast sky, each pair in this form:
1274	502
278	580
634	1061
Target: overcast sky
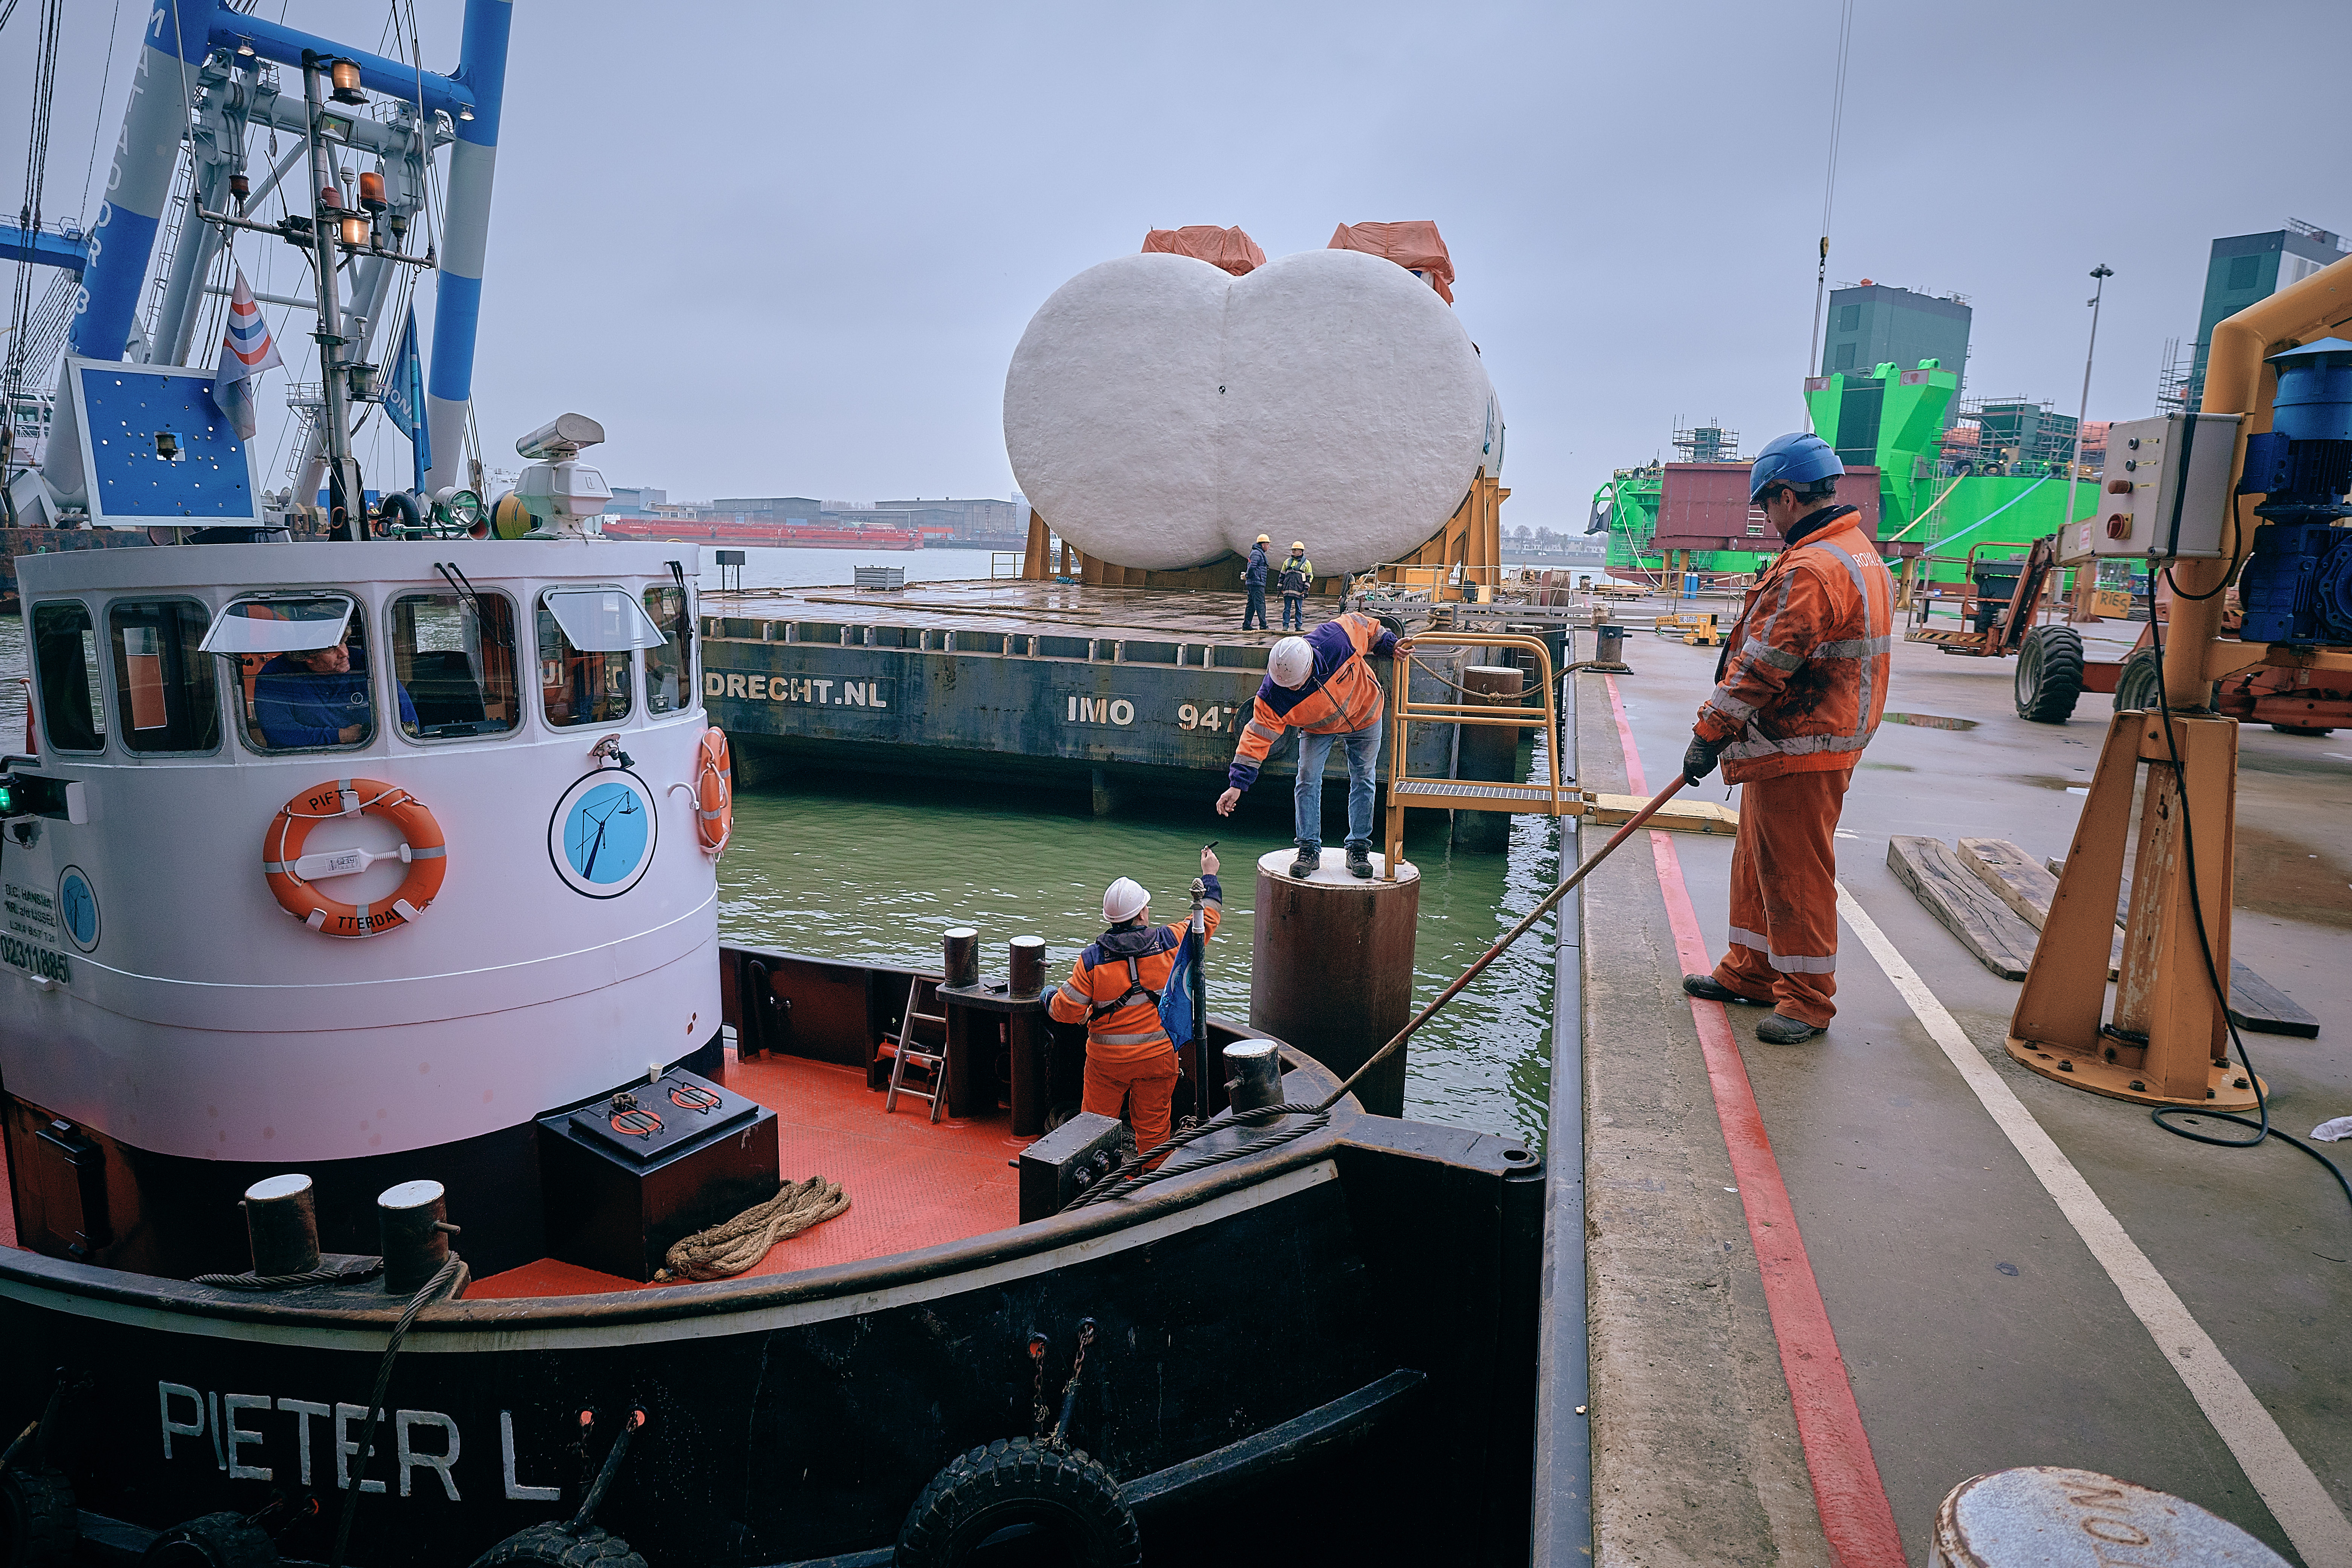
788	249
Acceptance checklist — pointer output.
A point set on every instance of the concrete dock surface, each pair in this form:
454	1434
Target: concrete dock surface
1967	1238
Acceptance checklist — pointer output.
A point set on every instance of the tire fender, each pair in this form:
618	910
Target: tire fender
212	1541
1019	1480
562	1546
40	1523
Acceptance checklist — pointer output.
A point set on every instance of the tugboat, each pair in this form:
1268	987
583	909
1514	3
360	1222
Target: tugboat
377	1087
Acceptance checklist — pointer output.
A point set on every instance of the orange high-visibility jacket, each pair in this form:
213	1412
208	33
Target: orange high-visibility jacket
1342	697
1803	678
1123	1026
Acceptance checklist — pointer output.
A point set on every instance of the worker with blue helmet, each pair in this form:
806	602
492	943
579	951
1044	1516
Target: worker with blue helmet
1798	695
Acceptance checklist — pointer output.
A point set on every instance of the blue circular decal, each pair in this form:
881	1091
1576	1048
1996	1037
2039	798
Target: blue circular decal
602	836
77	907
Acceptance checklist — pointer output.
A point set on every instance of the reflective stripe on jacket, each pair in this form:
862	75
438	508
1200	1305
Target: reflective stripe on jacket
1297	574
1342	697
1804	673
1099	977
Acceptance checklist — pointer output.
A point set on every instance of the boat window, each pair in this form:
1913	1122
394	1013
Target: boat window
600	620
279	624
579	686
669	668
164	691
65	653
454	654
311	699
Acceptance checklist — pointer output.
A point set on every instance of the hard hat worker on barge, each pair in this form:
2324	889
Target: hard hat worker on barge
1798	693
1320	685
1114	986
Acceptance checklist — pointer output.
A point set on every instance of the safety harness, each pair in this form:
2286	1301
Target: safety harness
1135	991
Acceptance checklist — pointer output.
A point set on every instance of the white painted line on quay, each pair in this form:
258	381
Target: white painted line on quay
2302	1506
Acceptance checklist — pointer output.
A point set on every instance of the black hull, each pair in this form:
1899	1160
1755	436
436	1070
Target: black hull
1372	1278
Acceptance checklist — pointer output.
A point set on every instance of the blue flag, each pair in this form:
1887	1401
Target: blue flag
1176	1000
404	397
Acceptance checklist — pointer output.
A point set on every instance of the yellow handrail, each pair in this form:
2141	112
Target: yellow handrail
1404	711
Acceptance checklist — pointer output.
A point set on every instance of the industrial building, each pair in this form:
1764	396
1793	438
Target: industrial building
1878	323
2245	268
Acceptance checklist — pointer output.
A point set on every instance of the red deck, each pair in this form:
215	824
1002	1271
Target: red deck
910	1185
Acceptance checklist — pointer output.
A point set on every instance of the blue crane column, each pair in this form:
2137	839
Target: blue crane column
465	237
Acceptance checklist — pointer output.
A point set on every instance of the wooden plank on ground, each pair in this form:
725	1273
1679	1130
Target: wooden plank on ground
1986	926
1680	816
2013	876
2254	1003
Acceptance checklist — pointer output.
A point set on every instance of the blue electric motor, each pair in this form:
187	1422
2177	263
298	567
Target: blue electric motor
2297	583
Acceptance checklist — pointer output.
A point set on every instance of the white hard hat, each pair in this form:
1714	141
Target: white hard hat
1124	899
1292	662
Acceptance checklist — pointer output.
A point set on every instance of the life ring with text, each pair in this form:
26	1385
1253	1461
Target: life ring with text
714	791
294	877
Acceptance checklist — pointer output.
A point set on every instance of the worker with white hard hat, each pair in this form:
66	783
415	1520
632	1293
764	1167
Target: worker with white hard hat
1254	579
1321	686
1298	577
1114	986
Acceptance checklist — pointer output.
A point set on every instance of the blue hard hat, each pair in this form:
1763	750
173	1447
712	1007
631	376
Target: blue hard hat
1796	458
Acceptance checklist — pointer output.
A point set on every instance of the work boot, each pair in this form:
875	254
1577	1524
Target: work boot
1359	860
1779	1029
1308	860
1705	987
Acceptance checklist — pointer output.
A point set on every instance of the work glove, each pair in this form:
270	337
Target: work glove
1699	758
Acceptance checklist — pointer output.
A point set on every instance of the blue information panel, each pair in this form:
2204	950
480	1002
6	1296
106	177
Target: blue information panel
158	450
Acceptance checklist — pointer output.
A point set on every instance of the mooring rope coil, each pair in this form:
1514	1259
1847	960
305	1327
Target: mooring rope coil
737	1244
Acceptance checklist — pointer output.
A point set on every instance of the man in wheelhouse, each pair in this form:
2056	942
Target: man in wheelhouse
319	697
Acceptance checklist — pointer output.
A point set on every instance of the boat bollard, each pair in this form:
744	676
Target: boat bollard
962	961
1253	1075
281	1222
1028	965
1331	966
1608	643
410	1218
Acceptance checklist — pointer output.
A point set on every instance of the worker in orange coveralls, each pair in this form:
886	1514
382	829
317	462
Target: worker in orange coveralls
1798	695
1114	986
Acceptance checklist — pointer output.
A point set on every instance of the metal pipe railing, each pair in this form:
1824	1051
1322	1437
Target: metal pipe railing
1405	710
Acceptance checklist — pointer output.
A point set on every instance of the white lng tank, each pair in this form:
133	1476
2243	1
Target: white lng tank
1159	412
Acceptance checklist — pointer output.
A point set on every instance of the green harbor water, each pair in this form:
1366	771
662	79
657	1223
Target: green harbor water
842	870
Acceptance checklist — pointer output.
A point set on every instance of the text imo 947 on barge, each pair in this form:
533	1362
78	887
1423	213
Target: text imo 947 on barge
367	893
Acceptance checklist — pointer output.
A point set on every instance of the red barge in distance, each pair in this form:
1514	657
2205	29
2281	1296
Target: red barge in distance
799	536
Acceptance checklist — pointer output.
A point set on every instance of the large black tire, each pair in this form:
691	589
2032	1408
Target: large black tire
2140	682
212	1541
559	1546
2049	674
1018	1481
38	1521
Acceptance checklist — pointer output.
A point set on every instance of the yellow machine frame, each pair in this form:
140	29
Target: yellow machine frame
2168	1041
1550	798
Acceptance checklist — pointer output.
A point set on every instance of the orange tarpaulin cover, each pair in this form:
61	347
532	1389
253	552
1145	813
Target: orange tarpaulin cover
1230	248
1413	245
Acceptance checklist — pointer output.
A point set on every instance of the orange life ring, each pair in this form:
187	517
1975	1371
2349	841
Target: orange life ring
421	849
714	791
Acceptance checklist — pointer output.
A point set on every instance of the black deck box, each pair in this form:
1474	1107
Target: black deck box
628	1175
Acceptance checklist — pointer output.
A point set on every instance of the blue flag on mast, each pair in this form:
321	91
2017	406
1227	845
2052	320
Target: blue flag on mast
404	399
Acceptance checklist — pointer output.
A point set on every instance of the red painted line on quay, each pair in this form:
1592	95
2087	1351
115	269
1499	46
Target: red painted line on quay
1847	1491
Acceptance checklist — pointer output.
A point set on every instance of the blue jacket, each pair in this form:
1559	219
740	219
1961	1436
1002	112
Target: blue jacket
1256	576
297	707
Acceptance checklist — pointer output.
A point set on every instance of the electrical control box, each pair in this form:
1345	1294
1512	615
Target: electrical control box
2164	494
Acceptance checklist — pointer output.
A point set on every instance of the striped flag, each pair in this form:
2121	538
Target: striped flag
246	350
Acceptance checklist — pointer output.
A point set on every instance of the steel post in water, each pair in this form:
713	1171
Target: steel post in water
414	1246
1026	958
1487	752
962	960
281	1221
1331	967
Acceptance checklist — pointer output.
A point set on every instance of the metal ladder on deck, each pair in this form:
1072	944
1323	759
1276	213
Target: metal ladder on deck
904	1049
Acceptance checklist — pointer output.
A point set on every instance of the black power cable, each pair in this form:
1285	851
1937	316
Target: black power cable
2262	1127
